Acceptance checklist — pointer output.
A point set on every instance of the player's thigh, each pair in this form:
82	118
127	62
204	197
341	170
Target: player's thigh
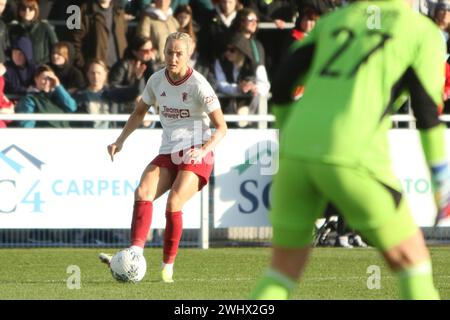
155	181
184	187
378	210
296	205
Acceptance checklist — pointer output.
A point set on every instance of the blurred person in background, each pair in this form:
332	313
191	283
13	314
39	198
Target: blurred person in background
183	14
102	34
216	29
40	32
126	72
100	98
334	146
61	63
21	68
246	23
237	74
48	96
4	36
6	105
156	23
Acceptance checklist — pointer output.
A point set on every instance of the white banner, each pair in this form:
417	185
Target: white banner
56	178
243	173
60	178
243	177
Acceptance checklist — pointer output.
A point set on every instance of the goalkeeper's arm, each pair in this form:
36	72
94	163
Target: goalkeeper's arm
432	136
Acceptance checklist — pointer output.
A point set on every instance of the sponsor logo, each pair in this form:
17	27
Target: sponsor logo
210	99
174	113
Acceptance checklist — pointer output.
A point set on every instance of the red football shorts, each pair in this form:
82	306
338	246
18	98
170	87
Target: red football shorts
175	163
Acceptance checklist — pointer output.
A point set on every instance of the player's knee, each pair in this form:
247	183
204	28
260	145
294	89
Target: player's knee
174	202
143	194
397	259
403	257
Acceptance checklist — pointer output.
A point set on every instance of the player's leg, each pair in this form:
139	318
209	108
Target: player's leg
184	187
295	207
403	247
155	181
378	210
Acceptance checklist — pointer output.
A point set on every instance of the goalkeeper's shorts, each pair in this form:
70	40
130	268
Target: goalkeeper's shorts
302	190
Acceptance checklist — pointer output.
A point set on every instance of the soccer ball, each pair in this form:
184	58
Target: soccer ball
128	266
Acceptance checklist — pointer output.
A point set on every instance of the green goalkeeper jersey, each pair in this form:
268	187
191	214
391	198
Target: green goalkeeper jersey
356	65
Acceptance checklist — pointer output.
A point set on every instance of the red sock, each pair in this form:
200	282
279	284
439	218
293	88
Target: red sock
140	225
172	235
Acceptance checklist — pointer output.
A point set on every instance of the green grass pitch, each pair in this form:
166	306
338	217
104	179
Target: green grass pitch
228	273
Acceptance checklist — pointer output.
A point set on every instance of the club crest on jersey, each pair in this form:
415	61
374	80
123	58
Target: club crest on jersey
163	94
184	96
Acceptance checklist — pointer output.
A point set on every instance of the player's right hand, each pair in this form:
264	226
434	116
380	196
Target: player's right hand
113	148
440	177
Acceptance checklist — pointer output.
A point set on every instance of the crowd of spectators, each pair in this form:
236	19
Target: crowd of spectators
102	66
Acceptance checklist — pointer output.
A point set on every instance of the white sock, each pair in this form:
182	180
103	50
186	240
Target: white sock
137	249
343	240
168	266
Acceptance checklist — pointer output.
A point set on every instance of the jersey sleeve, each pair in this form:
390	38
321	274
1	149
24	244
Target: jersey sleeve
426	86
148	96
207	98
426	78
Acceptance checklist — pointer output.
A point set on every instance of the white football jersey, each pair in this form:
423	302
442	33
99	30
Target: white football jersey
183	106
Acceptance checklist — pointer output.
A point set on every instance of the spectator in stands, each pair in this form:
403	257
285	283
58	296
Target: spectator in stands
61	63
4	37
260	7
199	7
304	24
136	66
9	13
45	6
140	51
442	18
102	34
265	10
184	16
49	96
100	98
133	8
239	75
217	26
247	25
426	7
41	33
6	106
58	12
21	68
157	22
282	12
202	65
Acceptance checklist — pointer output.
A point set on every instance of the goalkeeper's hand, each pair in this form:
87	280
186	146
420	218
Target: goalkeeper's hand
440	177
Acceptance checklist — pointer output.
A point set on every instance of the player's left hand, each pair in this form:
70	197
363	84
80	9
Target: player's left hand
440	176
194	156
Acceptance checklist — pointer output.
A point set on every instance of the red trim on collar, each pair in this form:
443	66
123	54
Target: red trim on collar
181	81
